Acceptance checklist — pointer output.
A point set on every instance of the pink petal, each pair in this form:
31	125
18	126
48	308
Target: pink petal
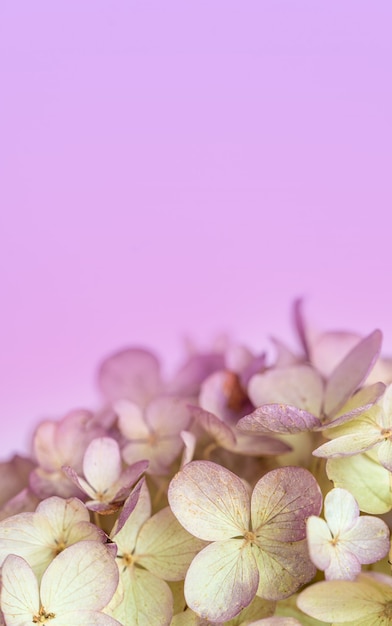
351	372
278	418
102	464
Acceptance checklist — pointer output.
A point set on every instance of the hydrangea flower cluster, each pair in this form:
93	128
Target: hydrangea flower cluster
250	489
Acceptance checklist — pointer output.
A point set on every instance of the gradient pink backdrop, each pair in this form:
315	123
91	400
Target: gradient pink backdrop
172	167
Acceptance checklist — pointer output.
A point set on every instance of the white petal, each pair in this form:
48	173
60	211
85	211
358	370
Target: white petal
102	464
341	510
19	594
147	600
83	576
211	502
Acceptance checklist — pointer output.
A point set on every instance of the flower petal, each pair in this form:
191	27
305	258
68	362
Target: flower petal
278	418
102	464
221	580
147	600
19	594
211	502
351	372
83	576
282	500
341	511
348	445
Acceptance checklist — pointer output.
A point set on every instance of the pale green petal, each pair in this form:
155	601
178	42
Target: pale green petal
147	600
222	579
165	548
211	502
342	601
349	444
288	608
126	537
283	568
367	480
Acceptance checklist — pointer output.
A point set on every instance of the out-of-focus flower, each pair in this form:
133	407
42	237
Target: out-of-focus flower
105	481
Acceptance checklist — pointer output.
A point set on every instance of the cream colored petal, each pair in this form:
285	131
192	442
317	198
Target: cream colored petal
211	502
20	600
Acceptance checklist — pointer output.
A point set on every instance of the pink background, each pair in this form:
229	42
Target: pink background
185	167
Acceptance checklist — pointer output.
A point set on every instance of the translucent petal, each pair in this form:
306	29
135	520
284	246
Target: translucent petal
360	404
282	500
166	549
341	510
319	538
84	576
221	580
133	374
300	386
368	539
136	511
278	418
283	568
348	445
102	463
384	452
147	600
85	618
211	502
366	479
351	372
19	594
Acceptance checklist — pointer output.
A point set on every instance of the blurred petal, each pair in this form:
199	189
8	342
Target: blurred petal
351	372
300	386
102	464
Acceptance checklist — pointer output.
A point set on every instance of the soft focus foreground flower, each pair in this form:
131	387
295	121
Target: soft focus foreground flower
344	541
40	536
74	589
364	602
257	540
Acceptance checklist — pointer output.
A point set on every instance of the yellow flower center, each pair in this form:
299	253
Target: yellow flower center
42	616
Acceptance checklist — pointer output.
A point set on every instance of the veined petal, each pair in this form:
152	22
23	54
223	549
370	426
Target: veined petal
102	464
366	479
19	593
147	600
214	426
136	511
368	539
86	618
211	502
340	510
319	538
221	580
343	601
84	576
283	568
166	549
347	445
282	500
278	418
384	453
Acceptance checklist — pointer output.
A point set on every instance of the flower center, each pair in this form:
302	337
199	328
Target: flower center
387	612
42	616
249	537
386	433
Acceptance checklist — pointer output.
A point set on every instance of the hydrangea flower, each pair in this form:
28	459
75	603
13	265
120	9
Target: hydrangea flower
105	481
344	541
40	536
257	540
74	589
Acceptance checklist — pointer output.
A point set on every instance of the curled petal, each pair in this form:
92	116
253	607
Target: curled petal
278	418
